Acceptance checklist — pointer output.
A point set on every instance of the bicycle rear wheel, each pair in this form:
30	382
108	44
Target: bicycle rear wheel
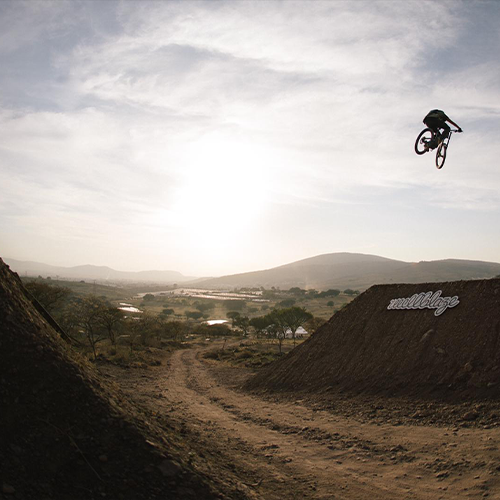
441	155
423	140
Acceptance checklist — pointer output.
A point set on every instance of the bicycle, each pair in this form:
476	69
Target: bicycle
428	140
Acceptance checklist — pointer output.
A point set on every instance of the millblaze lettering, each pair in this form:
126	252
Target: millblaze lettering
425	300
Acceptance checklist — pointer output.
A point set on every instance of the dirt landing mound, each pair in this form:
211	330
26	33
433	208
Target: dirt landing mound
63	433
411	349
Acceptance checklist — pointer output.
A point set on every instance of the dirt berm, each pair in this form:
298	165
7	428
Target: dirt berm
368	348
64	434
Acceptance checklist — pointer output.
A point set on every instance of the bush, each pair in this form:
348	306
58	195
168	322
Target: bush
194	315
245	354
212	354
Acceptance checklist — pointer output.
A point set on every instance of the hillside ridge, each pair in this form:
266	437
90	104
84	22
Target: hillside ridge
64	429
340	270
356	271
100	273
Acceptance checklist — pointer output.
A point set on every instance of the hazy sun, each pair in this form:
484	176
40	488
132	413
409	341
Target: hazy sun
222	191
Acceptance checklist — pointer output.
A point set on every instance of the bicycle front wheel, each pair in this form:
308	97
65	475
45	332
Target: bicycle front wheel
423	140
441	155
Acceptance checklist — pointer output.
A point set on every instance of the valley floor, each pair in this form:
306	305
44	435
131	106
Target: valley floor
279	448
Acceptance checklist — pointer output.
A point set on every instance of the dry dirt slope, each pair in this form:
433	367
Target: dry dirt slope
66	435
366	347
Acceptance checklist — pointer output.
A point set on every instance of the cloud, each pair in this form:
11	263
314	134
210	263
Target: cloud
25	23
82	162
115	111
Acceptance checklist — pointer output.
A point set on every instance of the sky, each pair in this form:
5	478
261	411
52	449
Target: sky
218	137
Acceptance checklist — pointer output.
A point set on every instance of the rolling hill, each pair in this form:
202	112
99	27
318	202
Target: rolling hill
356	271
334	270
98	273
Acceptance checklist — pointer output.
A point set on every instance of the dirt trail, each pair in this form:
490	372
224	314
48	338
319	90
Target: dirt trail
286	450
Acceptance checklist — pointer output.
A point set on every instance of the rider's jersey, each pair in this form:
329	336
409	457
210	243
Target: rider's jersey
437	113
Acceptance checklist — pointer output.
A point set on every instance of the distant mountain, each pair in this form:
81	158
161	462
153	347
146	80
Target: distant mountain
334	270
356	271
98	273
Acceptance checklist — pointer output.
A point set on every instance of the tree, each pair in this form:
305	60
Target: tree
174	329
149	297
194	315
277	327
293	318
243	323
268	294
219	330
329	293
167	312
86	316
110	317
287	303
213	331
204	306
144	327
348	291
50	296
283	321
260	324
233	316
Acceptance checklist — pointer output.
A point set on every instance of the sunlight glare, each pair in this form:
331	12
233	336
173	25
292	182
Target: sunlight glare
222	191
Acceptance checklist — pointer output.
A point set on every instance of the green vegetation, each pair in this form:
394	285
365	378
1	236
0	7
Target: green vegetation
50	296
281	323
121	321
250	357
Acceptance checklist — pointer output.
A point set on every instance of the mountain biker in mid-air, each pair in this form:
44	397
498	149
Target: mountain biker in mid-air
435	120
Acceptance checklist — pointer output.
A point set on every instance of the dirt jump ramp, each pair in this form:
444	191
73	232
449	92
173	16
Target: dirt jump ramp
65	434
438	340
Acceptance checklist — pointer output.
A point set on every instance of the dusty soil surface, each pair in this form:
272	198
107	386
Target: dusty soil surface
65	434
291	447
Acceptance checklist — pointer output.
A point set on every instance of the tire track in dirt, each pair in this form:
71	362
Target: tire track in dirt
277	457
328	456
225	433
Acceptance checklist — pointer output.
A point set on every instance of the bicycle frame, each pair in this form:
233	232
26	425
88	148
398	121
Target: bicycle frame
448	137
428	140
442	148
446	140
